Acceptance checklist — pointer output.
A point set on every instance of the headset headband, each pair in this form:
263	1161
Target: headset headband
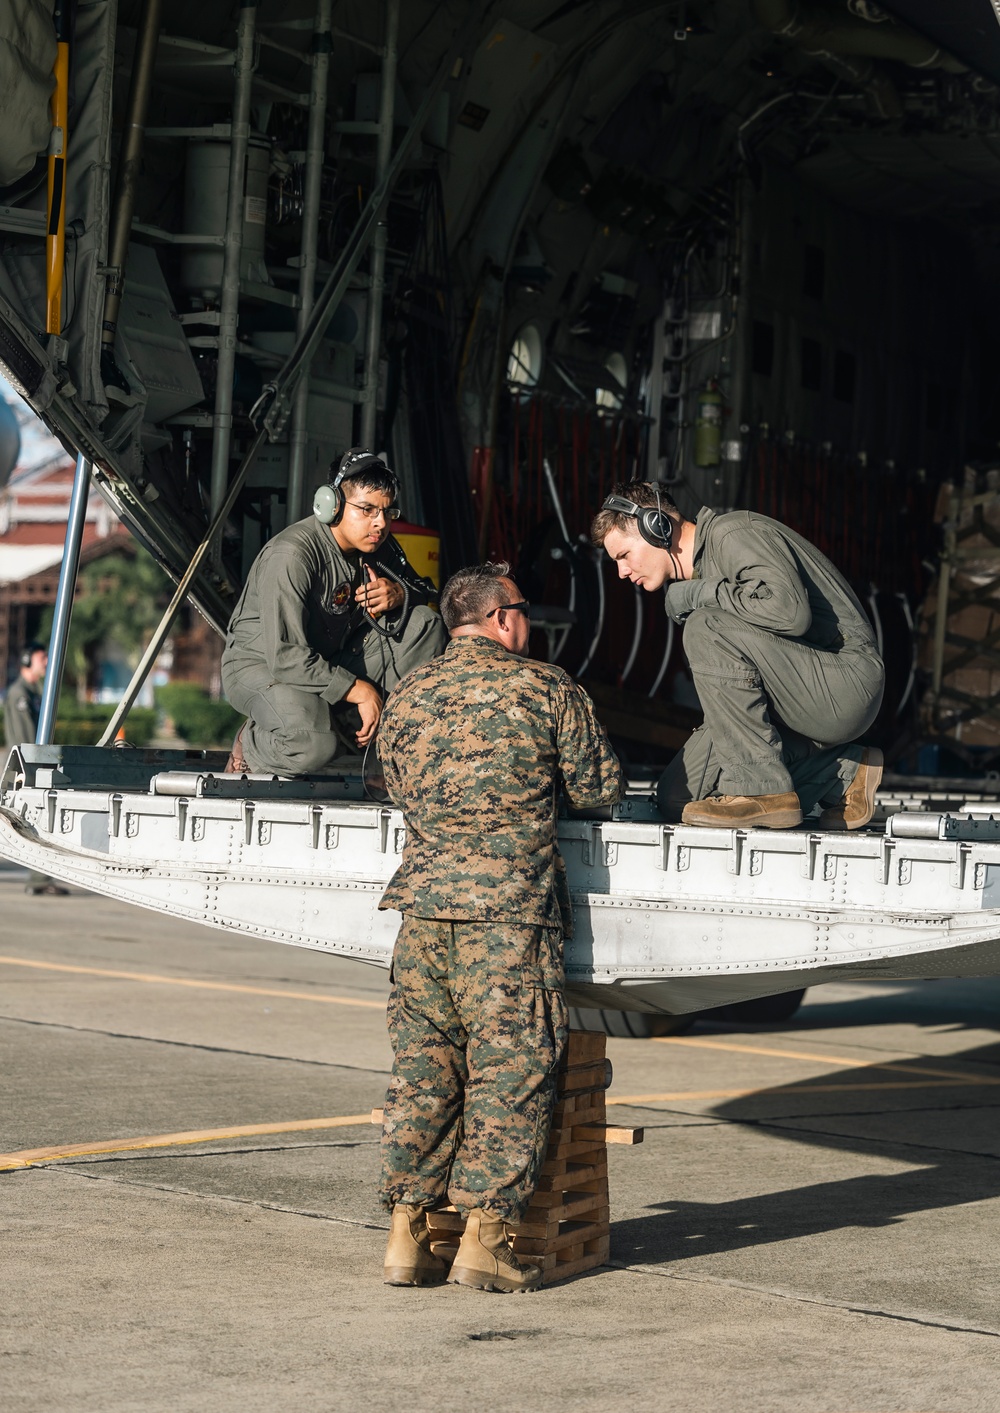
329	502
352	463
654	525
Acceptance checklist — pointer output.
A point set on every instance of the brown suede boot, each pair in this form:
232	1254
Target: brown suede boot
858	804
745	811
409	1259
485	1260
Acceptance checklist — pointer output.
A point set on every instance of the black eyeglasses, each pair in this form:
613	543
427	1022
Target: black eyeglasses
370	512
524	605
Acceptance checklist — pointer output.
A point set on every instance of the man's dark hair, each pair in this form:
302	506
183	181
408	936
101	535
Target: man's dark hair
642	493
376	478
373	474
471	593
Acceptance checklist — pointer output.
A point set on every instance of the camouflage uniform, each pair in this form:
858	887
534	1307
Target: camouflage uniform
474	747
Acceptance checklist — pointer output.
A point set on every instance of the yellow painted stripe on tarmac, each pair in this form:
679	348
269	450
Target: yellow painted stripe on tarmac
911	1067
192	983
27	1157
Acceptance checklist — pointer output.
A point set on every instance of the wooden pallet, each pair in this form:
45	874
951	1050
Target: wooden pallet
566	1230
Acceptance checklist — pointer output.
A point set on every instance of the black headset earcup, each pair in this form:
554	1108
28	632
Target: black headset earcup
656	528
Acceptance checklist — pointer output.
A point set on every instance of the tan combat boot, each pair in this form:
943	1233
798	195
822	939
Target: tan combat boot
485	1260
858	804
409	1259
745	811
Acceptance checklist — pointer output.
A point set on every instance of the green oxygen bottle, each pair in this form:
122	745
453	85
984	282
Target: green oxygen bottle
708	426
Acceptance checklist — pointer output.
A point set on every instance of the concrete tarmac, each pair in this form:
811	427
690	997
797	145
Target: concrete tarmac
809	1225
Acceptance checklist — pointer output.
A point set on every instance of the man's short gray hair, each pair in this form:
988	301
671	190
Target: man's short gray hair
471	593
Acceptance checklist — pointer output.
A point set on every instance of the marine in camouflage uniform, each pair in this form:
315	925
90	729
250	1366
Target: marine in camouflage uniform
475	746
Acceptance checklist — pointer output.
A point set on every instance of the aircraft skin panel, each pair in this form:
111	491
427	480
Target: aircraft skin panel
669	919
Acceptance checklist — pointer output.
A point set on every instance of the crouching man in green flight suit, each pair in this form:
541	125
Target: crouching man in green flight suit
332	616
781	653
475	747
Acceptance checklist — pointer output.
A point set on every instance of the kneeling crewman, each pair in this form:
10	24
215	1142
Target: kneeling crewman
331	614
781	653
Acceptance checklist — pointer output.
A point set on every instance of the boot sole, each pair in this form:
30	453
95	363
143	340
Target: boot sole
405	1275
873	769
775	819
479	1280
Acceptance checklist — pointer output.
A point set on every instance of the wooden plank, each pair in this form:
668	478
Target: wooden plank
560	1272
575	1207
568	1233
567	1146
582	1079
571	1176
608	1133
590	1109
542	1221
584	1047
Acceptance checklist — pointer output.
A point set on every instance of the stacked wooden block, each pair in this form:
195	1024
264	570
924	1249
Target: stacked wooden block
566	1230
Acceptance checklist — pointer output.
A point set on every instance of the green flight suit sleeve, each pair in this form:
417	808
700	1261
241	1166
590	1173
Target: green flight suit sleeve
591	772
19	720
761	585
284	602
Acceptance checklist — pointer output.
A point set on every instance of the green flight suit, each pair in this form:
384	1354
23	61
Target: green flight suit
784	661
21	711
475	746
297	642
20	721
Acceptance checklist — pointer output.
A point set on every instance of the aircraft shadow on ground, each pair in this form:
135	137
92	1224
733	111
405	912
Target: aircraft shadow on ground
673	1230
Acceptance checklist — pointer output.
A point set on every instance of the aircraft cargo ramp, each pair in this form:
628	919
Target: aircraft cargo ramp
669	919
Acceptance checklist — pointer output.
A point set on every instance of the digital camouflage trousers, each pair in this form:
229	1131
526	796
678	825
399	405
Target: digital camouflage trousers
478	1023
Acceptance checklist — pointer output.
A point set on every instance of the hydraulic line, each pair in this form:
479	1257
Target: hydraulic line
597	561
665	661
298	436
376	287
914	652
129	167
55	227
568	551
636	638
222	419
876	619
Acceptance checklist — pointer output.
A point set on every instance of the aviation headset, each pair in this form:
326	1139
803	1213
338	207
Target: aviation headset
329	500
655	526
29	650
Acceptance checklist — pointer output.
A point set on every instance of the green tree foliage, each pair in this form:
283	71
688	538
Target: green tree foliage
120	599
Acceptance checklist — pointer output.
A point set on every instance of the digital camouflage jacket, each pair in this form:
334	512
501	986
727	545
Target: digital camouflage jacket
475	746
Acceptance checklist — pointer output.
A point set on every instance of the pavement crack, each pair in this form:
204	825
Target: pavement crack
869	1311
175	1191
191	1045
164	1154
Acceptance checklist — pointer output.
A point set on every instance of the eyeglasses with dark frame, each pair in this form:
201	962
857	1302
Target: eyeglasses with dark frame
370	511
524	606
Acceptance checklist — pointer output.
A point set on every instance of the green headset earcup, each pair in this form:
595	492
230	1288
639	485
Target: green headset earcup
328	502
